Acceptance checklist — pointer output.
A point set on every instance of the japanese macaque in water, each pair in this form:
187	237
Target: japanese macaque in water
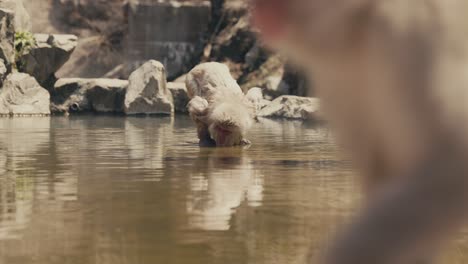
218	106
393	78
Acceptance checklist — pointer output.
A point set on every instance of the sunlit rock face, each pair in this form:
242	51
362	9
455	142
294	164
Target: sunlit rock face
22	20
22	95
147	91
168	31
88	95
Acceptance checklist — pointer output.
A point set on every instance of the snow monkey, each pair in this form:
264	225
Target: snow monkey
218	106
393	78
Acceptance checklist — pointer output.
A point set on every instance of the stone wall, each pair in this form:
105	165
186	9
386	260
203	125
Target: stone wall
170	32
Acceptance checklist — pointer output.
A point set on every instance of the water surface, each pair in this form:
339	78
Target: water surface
111	190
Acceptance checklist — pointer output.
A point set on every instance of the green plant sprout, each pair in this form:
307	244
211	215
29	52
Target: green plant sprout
24	42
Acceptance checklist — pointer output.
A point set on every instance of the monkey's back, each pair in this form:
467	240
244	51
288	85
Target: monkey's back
208	79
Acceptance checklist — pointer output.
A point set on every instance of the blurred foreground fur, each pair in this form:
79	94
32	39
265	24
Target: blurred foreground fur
218	107
393	77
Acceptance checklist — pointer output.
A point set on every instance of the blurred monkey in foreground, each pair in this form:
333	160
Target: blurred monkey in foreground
218	106
393	77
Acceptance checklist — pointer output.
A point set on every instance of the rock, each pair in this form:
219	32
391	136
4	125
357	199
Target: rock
234	41
264	103
147	91
22	18
273	66
116	73
293	107
255	96
88	95
233	35
102	23
3	72
180	79
22	95
275	86
251	57
49	54
7	38
181	98
300	84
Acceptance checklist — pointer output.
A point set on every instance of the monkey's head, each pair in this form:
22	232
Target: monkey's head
305	29
230	121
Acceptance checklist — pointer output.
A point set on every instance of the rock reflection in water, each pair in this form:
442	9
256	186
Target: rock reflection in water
146	142
19	138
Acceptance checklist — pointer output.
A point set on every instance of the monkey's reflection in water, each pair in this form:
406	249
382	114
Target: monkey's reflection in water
222	179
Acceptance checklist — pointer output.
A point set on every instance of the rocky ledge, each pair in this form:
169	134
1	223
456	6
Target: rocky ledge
71	95
28	83
292	107
46	56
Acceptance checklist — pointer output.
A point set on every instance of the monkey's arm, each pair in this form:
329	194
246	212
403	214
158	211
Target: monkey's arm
410	218
198	109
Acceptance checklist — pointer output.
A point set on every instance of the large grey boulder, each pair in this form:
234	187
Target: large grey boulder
49	54
147	91
22	95
88	95
22	21
180	95
293	107
7	38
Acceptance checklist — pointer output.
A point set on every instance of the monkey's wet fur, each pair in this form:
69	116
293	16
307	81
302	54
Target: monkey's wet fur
219	108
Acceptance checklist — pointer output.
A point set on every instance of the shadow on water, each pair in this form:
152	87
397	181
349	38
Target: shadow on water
92	189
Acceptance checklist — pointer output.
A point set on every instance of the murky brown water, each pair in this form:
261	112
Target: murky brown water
111	190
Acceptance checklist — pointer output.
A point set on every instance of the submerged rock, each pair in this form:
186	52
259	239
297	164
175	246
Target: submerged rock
22	95
49	54
7	38
88	95
180	95
22	18
293	107
147	91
